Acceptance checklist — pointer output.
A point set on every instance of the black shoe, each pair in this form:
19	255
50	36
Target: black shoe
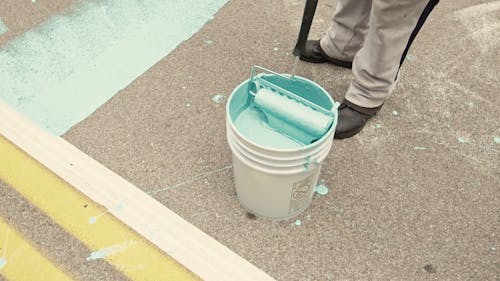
352	118
313	53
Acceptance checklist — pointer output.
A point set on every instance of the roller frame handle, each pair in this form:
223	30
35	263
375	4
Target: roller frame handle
305	27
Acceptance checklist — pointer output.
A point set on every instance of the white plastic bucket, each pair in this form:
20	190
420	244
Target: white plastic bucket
276	183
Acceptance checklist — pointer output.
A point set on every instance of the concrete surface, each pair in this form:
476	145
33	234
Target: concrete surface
414	196
408	199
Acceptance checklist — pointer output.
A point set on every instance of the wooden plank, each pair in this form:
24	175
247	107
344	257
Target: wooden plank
190	246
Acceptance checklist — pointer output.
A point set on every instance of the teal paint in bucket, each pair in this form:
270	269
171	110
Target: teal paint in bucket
268	166
257	116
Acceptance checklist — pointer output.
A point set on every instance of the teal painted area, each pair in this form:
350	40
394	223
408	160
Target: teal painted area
496	139
278	122
61	71
3	27
3	262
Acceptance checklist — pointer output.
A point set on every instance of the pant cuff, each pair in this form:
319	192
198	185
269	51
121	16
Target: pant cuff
367	100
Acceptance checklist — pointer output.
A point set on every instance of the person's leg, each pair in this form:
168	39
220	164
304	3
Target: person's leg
393	26
349	28
344	38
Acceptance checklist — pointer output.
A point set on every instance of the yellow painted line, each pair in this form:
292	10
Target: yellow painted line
90	223
20	261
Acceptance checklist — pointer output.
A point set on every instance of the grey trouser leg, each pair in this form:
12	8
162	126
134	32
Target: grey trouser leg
347	33
392	26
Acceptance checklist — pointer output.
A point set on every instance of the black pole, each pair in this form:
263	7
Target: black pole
305	27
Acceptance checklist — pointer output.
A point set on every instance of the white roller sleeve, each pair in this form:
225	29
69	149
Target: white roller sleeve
293	113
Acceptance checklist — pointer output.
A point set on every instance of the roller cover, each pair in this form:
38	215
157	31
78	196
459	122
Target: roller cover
292	117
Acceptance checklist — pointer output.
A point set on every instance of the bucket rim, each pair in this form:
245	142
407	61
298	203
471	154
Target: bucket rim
284	150
326	145
317	159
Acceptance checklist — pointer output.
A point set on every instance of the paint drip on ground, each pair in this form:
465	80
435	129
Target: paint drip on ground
297	223
218	98
321	189
3	262
3	27
277	121
109	251
496	139
94	219
419	148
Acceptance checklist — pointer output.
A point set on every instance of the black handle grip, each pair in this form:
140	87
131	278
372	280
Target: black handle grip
305	27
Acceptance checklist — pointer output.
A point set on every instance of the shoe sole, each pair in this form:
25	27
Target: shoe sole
346	134
335	62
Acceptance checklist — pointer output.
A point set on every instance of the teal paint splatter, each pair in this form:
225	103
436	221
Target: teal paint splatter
419	148
119	207
93	220
3	262
378	125
307	164
208	42
462	140
74	62
496	139
297	223
409	57
321	189
101	254
3	27
108	251
218	98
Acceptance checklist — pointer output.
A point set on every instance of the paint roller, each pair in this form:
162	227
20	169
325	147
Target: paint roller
286	112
